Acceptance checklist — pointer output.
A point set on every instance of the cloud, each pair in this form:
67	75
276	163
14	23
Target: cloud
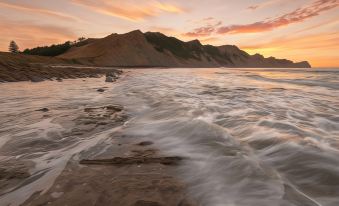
201	32
29	35
265	4
296	16
36	10
131	10
167	7
210	27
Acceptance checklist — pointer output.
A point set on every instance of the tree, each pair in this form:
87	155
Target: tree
13	47
80	39
53	50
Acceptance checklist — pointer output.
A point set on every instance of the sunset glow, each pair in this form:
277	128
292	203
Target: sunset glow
297	30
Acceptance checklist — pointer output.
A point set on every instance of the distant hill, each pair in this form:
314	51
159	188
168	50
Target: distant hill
153	49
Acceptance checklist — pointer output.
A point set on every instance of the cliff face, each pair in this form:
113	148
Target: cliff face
137	49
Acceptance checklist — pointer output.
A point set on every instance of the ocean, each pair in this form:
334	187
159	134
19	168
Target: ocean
249	136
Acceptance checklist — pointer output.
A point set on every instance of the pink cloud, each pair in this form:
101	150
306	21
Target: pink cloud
296	16
131	10
37	10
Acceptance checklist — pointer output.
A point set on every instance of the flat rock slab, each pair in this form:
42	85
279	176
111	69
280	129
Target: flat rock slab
173	160
126	185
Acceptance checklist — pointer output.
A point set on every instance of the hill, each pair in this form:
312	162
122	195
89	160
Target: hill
153	49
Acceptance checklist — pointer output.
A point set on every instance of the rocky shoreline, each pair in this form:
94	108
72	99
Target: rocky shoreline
42	73
131	171
113	169
19	67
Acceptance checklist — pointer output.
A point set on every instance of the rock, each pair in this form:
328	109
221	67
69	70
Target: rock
43	110
14	171
100	90
145	143
111	74
36	79
116	108
146	203
109	79
59	79
170	160
94	76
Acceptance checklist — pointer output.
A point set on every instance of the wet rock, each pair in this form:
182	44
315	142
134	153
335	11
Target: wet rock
102	123
36	79
94	76
42	110
89	109
111	74
170	160
100	90
145	143
89	121
146	203
116	108
109	109
13	170
109	79
13	173
144	153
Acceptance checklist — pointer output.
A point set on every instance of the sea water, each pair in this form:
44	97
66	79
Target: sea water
249	136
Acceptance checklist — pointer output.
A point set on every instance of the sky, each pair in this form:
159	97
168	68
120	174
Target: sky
294	29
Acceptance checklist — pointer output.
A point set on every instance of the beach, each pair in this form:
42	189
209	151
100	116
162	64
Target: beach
181	137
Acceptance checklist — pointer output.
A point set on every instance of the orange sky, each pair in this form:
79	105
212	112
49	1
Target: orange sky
294	29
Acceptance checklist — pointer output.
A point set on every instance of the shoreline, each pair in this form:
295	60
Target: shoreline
20	67
44	73
143	176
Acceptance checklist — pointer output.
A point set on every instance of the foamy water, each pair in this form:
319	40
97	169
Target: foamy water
251	136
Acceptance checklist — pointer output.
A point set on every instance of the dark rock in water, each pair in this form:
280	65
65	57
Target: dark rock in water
146	203
145	143
94	76
111	74
109	79
116	108
100	90
37	79
43	110
13	171
110	108
172	160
